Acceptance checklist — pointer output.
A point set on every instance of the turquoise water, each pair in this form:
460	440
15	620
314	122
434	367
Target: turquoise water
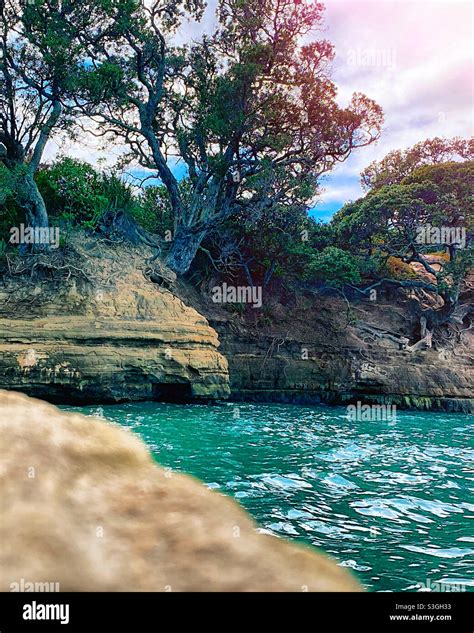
392	501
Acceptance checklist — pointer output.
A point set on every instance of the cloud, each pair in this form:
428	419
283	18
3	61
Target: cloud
414	59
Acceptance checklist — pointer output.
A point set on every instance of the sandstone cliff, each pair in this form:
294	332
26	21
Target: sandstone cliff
311	349
83	504
269	368
89	327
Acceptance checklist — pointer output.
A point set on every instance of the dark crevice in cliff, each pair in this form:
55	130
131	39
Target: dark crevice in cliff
173	392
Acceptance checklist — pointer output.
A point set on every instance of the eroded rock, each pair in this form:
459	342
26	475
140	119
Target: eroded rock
83	504
105	334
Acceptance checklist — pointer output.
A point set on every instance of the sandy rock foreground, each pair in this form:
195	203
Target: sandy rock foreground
83	504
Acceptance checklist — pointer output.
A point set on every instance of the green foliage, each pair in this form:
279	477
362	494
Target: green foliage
250	109
152	210
453	181
334	266
389	217
400	164
10	213
42	45
455	270
390	224
73	191
118	195
7	184
77	193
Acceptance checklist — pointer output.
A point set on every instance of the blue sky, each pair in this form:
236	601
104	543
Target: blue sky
327	206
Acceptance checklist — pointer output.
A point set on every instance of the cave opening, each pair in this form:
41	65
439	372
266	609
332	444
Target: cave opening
173	392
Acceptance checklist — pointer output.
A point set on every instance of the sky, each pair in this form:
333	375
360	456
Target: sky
413	57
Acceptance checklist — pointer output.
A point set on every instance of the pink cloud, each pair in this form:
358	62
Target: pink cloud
414	58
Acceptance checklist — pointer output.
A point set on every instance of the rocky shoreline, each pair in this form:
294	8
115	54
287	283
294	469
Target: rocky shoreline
101	331
422	381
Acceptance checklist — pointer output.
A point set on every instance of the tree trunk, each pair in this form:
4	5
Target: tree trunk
183	249
31	200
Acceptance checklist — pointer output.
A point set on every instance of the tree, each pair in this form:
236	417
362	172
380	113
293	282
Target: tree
398	164
270	244
33	64
41	47
453	181
392	221
250	110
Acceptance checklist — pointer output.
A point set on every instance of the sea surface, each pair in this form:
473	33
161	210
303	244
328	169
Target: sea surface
391	500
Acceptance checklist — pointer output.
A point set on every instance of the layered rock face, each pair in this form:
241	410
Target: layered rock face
83	504
425	381
316	354
106	335
94	328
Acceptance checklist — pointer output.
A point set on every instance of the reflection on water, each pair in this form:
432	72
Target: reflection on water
394	502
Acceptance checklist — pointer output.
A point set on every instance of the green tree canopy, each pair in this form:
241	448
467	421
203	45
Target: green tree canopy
430	210
250	110
38	52
398	164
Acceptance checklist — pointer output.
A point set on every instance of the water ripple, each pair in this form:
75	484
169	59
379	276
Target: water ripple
391	502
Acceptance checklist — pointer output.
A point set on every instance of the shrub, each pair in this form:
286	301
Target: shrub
334	267
153	211
73	191
78	193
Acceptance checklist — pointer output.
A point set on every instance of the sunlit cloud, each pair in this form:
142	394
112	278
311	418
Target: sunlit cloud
414	58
